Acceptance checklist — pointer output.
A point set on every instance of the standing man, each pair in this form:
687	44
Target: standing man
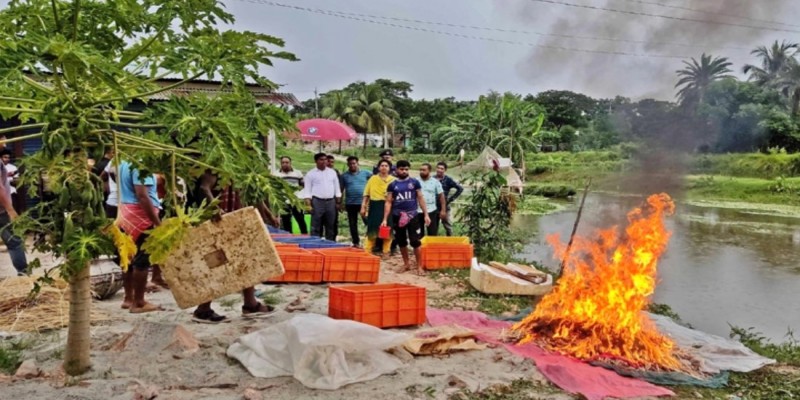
331	160
295	179
403	199
433	194
448	184
139	208
386	155
322	185
229	202
353	182
15	245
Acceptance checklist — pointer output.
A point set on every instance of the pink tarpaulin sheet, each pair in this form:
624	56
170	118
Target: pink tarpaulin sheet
572	375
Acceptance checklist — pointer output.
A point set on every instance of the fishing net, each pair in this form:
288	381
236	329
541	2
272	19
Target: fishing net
20	311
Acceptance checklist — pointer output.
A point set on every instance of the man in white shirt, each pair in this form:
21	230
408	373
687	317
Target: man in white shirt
294	178
322	186
11	171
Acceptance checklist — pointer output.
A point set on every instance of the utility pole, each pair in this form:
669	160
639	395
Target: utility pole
316	103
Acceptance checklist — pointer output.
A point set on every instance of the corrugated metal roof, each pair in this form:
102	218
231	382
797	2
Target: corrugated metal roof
211	88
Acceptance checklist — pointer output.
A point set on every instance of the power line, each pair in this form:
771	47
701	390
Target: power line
463	36
699	11
525	32
644	14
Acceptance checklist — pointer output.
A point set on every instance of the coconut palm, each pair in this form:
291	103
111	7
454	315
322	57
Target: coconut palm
774	60
372	111
336	106
788	82
696	76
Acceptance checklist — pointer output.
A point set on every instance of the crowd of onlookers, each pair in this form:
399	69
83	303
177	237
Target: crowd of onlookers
408	208
396	210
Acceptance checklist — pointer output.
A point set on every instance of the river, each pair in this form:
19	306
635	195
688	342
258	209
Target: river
722	266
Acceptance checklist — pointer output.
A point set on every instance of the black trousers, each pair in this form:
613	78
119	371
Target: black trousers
286	219
433	228
353	217
323	216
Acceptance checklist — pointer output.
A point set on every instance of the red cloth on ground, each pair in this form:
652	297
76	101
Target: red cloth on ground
570	374
133	220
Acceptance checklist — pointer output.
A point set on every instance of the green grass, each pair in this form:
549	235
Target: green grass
519	389
11	355
271	296
742	189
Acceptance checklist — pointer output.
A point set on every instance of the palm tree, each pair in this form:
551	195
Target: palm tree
788	82
696	77
774	60
336	106
372	111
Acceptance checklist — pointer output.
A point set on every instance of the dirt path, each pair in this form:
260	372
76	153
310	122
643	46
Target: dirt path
210	374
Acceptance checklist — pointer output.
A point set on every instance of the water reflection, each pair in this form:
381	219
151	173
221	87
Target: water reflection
722	266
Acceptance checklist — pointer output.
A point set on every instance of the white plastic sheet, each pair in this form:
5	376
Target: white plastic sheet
718	353
320	352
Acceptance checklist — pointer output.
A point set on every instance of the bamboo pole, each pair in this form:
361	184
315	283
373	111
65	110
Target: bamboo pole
574	229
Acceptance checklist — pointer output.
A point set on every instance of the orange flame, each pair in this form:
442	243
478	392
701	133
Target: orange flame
595	312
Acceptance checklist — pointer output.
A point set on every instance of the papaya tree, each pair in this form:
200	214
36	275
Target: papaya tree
73	72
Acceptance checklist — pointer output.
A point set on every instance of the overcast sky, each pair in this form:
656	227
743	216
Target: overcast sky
335	51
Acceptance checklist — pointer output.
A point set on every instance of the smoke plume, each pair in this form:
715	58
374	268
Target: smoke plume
603	75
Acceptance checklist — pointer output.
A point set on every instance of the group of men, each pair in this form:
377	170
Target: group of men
417	207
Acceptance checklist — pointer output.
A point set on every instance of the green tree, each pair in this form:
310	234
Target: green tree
69	70
504	122
564	107
336	106
789	84
486	216
696	76
373	111
774	60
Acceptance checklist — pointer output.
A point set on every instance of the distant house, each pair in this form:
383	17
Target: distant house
210	88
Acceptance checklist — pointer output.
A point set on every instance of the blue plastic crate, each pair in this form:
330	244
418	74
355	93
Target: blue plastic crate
272	229
322	244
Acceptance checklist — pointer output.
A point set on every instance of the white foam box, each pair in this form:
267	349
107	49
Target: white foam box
220	258
492	281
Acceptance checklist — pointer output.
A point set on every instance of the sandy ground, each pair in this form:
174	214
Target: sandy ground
210	374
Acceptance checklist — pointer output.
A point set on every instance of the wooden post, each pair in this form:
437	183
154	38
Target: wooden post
574	229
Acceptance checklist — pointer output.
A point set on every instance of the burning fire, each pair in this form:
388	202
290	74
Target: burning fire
595	312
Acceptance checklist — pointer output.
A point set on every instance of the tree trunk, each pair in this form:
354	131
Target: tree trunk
76	356
340	147
385	138
365	144
795	102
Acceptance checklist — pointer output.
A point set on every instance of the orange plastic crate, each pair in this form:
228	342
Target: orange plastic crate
349	266
440	256
299	266
383	305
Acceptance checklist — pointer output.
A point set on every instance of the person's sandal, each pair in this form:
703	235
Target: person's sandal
208	317
259	311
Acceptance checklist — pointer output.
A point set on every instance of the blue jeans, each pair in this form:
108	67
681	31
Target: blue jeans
14	244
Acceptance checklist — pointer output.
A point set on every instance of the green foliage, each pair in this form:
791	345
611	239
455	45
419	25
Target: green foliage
548	190
787	352
696	76
486	217
667	311
71	70
172	231
11	355
505	122
518	389
751	165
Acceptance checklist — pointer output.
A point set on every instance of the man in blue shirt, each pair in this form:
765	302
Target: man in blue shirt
353	182
139	209
447	185
403	198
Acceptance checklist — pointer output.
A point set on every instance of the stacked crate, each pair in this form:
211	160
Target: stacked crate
439	252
